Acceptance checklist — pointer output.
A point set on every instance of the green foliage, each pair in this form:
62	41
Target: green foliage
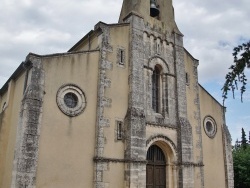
243	139
241	159
236	74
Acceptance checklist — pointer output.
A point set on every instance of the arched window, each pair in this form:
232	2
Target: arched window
156	168
156	89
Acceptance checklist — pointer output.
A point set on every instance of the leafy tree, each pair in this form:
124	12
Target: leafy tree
243	139
249	138
237	144
236	74
241	158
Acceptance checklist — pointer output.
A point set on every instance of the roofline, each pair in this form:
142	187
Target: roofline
211	96
80	41
22	68
17	72
62	54
96	30
190	54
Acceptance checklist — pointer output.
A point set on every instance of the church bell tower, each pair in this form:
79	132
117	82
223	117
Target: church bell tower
156	48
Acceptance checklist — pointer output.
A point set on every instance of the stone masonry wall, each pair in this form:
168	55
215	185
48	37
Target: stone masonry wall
103	102
26	150
198	126
228	157
135	129
185	137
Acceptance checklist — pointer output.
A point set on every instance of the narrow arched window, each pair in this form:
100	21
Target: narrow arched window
156	90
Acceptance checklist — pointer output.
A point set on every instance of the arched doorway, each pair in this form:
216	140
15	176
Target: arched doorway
156	168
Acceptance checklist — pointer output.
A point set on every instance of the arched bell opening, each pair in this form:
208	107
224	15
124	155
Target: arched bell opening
154	9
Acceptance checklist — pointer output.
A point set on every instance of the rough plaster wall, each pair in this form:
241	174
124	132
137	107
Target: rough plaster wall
26	151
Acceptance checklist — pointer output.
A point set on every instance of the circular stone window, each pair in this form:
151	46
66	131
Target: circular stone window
210	127
71	100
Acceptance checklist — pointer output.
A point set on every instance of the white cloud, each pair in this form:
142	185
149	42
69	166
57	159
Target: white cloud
211	28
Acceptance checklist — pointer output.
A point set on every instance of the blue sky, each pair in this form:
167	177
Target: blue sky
211	29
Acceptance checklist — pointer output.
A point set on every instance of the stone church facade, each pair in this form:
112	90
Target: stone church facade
122	108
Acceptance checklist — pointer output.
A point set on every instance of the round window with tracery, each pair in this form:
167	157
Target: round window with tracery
210	127
71	100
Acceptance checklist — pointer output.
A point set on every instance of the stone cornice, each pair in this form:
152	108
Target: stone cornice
113	160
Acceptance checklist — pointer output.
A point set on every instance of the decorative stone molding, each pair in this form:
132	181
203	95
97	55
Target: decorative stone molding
159	137
190	164
167	126
210	126
112	160
153	61
78	94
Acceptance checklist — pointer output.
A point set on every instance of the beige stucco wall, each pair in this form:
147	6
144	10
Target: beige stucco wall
213	156
10	117
193	113
118	93
67	144
3	99
212	149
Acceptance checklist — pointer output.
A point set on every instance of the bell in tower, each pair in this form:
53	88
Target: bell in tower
154	11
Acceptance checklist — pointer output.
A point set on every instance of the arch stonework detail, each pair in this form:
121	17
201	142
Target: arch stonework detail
162	138
170	150
157	60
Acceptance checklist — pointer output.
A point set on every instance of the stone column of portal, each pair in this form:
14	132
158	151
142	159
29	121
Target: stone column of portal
26	150
135	133
185	137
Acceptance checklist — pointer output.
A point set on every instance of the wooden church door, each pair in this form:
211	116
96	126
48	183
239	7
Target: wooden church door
156	168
